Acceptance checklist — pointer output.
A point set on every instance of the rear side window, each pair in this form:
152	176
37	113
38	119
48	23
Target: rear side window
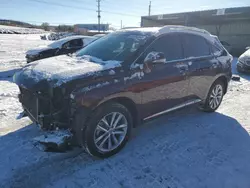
170	45
195	46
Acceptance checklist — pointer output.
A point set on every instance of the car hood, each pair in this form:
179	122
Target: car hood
58	70
38	50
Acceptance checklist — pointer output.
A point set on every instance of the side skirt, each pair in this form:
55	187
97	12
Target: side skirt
174	108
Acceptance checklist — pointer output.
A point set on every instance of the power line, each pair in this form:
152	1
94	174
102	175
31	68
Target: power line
80	8
121	4
61	5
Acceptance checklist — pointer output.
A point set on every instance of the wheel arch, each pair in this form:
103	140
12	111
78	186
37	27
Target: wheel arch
128	103
223	79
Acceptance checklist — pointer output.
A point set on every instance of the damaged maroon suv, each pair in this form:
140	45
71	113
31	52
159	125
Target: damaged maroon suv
104	90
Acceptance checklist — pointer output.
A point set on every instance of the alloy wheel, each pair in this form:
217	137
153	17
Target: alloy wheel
216	96
110	131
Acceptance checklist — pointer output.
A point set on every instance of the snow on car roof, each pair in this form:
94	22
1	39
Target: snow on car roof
166	29
59	43
143	29
157	31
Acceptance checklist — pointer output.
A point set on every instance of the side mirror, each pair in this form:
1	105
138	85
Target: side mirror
155	57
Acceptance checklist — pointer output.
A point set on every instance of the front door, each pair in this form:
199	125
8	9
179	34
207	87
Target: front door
71	46
164	85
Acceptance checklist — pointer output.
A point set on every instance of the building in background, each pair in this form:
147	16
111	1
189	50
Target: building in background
91	29
231	25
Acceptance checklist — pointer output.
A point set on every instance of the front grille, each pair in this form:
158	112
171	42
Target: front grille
40	109
29	101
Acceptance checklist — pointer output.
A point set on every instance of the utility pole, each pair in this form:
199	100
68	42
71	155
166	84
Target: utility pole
121	24
149	8
98	16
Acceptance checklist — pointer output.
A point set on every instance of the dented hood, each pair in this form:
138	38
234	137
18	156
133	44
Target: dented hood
58	70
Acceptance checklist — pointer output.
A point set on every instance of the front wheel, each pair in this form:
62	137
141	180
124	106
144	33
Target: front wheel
108	130
214	97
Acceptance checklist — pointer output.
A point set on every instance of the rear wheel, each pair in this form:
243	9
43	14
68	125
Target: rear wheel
108	130
214	97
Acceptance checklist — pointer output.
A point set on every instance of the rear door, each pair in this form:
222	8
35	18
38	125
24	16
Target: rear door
164	85
202	65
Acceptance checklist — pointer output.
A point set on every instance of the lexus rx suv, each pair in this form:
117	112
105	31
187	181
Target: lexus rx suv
123	79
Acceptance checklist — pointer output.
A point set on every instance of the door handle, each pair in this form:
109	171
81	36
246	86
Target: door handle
214	65
183	67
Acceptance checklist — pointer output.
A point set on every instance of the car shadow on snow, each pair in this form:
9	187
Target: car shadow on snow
187	148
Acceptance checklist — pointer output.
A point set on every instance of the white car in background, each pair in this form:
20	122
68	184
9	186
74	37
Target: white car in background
66	45
243	64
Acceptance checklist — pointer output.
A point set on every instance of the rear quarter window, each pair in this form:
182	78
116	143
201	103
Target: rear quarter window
195	46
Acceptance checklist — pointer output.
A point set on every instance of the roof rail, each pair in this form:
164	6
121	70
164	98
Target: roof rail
183	28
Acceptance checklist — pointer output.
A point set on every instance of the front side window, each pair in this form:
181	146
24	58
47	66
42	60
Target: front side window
169	44
75	43
195	46
116	46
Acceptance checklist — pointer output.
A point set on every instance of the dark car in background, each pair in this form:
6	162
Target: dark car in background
66	45
122	79
243	63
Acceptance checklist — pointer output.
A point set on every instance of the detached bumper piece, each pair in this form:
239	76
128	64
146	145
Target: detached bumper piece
54	141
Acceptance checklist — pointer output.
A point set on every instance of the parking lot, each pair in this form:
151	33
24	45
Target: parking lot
187	148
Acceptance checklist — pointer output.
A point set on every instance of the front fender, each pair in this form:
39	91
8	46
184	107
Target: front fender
86	99
93	95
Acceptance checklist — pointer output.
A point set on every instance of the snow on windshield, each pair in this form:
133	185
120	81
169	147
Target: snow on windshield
116	46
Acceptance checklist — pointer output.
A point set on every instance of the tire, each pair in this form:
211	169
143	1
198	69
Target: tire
96	128
210	106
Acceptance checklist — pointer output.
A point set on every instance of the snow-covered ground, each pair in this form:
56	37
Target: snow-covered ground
187	148
19	30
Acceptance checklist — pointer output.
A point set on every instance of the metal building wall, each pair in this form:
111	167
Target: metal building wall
236	34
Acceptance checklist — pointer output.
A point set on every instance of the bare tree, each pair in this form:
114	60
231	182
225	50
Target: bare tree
45	26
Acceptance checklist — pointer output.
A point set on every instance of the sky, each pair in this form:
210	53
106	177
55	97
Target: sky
113	11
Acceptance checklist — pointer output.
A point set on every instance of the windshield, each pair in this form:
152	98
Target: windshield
116	46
